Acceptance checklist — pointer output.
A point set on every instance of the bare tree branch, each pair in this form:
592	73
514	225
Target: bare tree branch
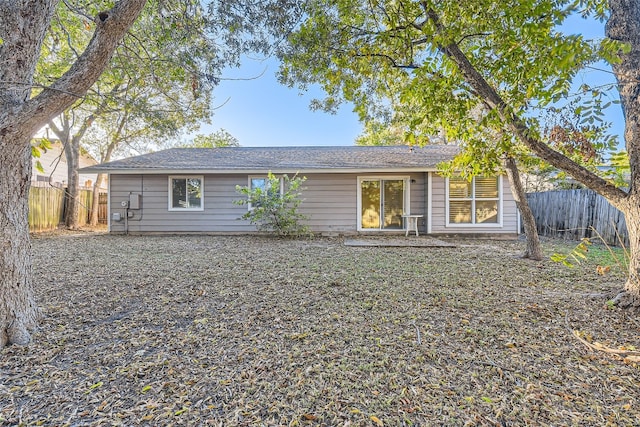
111	26
494	101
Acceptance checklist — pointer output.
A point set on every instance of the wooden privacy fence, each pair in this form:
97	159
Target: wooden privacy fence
46	207
575	214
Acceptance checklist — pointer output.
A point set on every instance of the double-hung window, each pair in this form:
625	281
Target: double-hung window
186	193
475	202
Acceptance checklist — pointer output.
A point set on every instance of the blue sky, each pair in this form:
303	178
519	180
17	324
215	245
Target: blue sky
259	111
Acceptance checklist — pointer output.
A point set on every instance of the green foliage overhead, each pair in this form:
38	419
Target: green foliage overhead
219	138
274	208
353	49
158	85
39	146
389	58
376	133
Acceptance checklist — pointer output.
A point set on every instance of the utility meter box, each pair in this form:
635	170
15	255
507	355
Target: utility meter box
134	201
117	217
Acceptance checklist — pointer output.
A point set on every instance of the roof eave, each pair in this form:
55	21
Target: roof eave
139	171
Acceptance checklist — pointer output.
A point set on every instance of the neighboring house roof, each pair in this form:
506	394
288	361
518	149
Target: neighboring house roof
283	159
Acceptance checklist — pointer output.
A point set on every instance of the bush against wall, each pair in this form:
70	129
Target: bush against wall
273	208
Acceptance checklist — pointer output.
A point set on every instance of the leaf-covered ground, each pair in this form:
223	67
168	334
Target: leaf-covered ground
250	331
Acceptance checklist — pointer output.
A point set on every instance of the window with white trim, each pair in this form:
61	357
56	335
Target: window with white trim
473	202
261	183
186	193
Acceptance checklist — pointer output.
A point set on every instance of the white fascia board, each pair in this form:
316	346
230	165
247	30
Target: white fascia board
260	171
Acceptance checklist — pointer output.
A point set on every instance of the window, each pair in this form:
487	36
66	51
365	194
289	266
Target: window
382	202
262	183
473	202
186	193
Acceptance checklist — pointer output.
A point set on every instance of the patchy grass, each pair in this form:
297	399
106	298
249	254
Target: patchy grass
605	257
246	331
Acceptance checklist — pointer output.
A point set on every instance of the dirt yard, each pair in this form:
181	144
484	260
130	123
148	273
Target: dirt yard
247	331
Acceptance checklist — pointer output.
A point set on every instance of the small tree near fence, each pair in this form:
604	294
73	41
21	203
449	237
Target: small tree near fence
273	208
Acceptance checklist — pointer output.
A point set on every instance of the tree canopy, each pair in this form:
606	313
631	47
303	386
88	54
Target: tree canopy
157	84
219	138
159	80
386	58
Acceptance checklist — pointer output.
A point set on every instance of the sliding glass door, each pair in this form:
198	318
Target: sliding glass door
382	203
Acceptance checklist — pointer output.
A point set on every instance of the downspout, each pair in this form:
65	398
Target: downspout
126	220
108	202
427	202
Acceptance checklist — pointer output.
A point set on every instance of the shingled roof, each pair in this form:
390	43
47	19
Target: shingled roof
283	159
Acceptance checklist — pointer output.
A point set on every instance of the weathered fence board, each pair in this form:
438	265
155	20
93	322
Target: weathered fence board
47	204
102	208
45	208
576	214
84	201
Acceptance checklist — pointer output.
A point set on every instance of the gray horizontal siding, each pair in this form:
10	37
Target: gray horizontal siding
219	214
329	200
418	199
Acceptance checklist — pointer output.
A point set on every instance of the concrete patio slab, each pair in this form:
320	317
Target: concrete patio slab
410	242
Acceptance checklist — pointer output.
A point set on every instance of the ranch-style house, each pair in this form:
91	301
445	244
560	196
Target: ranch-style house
348	190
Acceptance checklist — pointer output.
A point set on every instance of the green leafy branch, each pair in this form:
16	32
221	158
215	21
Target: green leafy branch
37	147
579	254
275	211
576	256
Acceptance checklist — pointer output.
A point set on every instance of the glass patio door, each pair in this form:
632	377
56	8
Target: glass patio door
382	204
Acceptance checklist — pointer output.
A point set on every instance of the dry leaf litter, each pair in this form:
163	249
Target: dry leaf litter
257	331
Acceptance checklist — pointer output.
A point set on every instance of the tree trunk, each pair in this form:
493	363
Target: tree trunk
629	297
71	144
21	34
95	205
72	153
632	286
624	25
18	311
22	28
533	249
